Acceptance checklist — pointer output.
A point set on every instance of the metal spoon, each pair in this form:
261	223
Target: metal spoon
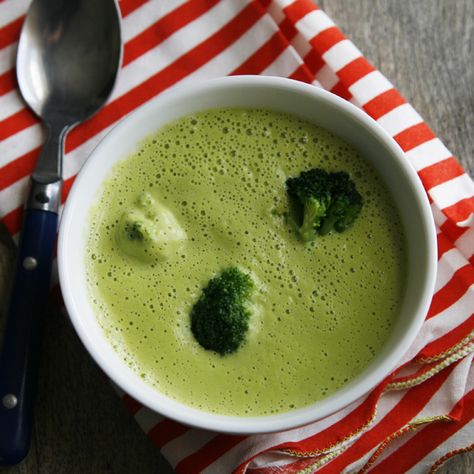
68	58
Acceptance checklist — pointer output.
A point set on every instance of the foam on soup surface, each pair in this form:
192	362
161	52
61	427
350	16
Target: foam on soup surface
321	311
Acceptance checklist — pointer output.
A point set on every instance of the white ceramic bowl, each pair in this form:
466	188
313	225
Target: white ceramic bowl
307	102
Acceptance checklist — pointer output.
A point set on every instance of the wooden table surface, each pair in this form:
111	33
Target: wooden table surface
426	48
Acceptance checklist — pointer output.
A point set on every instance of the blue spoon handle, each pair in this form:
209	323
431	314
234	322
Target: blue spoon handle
20	352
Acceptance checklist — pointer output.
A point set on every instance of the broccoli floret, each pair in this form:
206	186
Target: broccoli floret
134	230
219	319
311	189
330	201
346	204
149	231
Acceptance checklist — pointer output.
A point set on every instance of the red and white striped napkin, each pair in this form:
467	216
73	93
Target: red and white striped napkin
423	413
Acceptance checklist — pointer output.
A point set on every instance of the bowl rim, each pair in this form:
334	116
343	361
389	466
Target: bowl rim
258	424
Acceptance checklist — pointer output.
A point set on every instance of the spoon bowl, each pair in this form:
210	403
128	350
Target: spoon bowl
68	58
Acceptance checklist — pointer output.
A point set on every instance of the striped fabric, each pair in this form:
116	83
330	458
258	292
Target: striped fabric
420	415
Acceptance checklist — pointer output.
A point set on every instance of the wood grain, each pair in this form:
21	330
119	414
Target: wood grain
425	47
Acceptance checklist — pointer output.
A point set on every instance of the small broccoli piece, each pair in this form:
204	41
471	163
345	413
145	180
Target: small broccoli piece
311	190
346	204
148	231
219	319
330	201
134	230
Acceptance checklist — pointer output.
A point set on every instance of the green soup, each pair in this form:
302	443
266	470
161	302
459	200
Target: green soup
321	311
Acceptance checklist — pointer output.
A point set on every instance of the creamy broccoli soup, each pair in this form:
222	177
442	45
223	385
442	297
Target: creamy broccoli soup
215	184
